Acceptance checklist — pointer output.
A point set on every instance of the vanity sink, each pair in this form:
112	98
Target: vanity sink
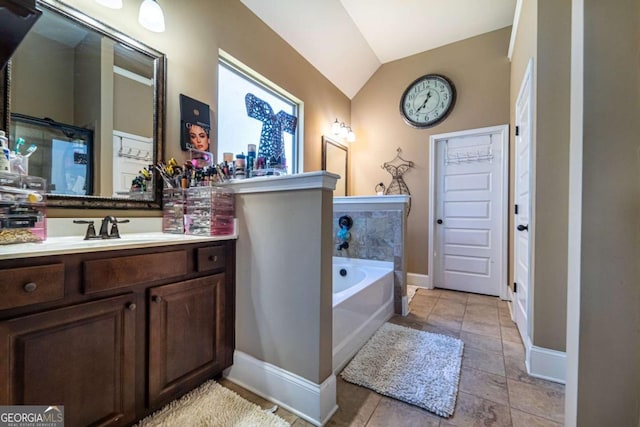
129	239
76	244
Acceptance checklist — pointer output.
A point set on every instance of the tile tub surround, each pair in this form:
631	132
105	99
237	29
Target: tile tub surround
378	233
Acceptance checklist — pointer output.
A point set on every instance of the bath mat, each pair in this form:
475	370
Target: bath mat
414	366
212	405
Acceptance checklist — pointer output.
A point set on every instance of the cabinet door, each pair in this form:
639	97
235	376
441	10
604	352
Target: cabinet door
186	335
81	357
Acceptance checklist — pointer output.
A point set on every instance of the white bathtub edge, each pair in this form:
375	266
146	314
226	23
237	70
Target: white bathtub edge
362	262
315	403
360	336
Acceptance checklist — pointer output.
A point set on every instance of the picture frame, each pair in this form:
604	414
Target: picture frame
195	125
335	159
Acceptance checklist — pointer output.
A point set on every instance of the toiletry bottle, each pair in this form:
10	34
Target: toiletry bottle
4	153
240	166
251	158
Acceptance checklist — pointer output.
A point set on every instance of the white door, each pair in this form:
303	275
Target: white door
522	196
131	153
470	201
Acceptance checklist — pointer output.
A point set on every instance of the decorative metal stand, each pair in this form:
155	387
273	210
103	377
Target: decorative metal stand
271	145
397	168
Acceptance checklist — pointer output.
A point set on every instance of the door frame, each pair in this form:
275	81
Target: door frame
526	88
503	130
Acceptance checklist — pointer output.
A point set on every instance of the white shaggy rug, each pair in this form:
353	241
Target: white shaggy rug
212	405
414	366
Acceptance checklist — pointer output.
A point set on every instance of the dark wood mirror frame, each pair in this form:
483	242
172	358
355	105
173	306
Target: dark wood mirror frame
99	202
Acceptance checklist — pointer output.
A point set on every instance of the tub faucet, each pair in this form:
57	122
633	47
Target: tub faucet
345	223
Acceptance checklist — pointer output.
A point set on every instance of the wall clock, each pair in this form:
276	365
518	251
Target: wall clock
427	101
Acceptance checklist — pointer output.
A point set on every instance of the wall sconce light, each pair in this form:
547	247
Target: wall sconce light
335	127
343	130
150	16
351	135
112	4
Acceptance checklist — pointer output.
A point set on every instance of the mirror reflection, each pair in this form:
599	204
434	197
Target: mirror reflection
56	152
89	100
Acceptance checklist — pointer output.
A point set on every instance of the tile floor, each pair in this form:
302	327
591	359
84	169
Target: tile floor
494	388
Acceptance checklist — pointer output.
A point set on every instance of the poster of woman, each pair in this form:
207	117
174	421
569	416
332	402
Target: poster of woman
195	122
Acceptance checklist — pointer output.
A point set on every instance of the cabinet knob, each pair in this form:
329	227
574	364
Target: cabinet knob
156	298
131	306
30	287
213	258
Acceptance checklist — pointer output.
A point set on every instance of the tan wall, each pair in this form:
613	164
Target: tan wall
48	90
86	88
195	31
128	92
284	309
609	358
479	70
87	84
552	174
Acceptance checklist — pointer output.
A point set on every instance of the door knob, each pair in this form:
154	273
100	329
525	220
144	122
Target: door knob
523	227
439	221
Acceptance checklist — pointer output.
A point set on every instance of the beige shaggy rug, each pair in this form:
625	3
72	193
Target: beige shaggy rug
414	366
212	405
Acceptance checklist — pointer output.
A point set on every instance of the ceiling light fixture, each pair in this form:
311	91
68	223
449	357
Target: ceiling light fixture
112	4
151	16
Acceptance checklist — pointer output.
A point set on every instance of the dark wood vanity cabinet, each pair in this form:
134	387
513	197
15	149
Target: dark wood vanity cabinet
82	356
186	335
114	347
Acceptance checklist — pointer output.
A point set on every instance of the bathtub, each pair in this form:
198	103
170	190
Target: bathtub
362	302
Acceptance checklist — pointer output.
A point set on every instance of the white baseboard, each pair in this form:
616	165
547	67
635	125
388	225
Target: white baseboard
420	280
547	364
315	403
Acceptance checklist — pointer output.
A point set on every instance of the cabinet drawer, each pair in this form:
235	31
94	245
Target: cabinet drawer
112	273
31	285
211	258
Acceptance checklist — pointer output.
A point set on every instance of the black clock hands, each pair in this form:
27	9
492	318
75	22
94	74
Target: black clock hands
424	103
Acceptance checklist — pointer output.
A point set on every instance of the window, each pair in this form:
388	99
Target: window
238	127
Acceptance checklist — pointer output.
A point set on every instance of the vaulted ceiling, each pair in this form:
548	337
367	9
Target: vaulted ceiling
348	40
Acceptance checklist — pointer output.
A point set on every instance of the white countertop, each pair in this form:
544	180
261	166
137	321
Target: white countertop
77	244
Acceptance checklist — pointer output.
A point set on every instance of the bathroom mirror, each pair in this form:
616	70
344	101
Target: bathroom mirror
335	159
77	85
